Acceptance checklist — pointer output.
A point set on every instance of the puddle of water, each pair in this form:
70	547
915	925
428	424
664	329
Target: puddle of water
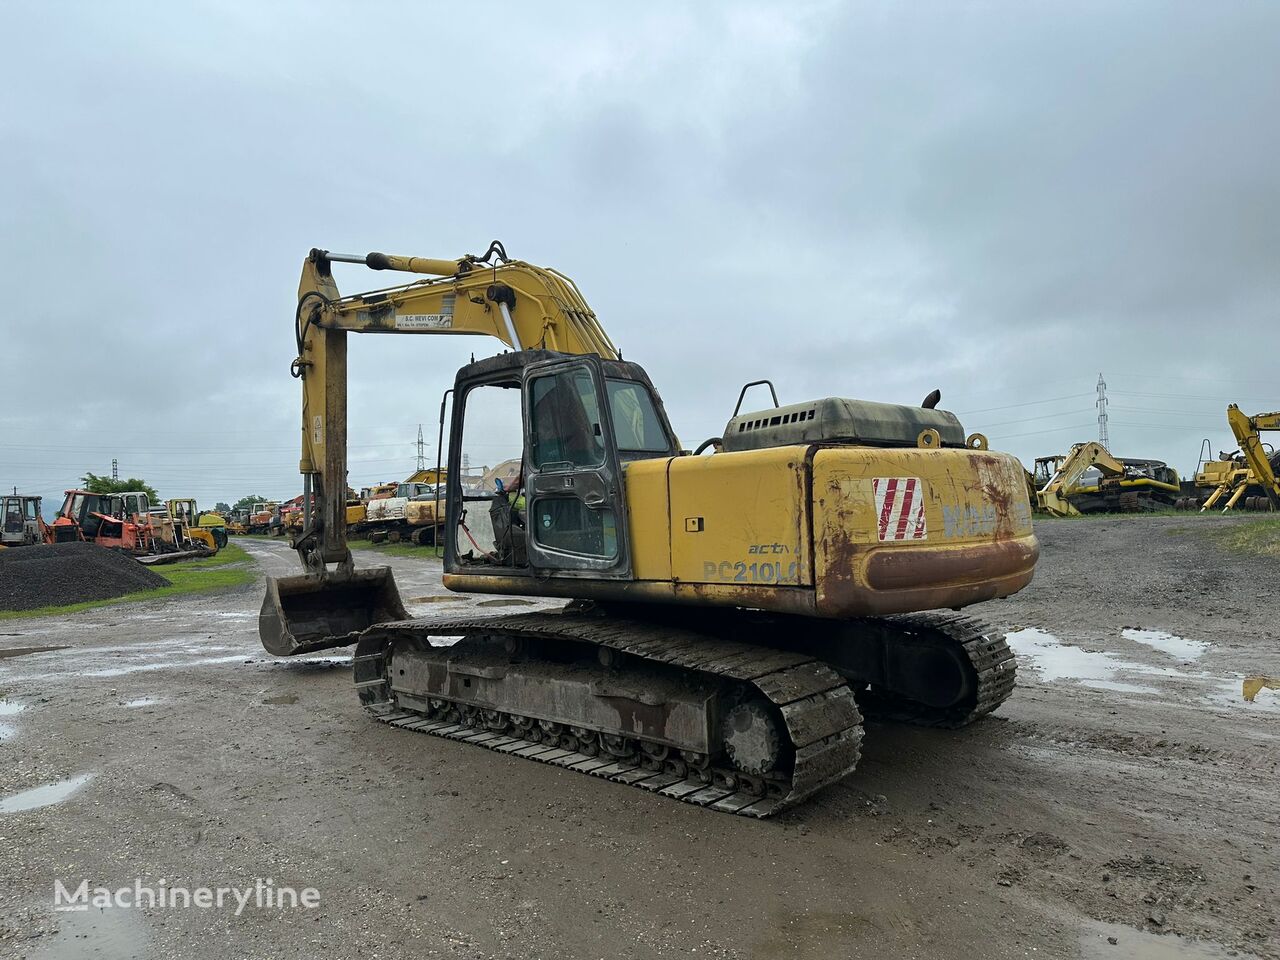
37	797
7	653
435	599
1133	944
282	699
505	602
6	731
113	934
1055	660
1252	686
1177	647
9	708
143	702
1230	693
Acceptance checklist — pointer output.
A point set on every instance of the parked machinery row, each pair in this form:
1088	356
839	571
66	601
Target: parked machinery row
1089	479
129	522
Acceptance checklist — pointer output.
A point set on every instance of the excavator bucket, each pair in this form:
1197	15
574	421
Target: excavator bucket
307	613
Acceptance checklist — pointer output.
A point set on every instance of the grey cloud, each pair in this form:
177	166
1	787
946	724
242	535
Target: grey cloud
870	200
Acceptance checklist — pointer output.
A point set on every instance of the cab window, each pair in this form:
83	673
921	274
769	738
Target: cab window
565	428
635	421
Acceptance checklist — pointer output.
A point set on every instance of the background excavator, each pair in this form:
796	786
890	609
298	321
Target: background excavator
1121	484
1254	467
732	615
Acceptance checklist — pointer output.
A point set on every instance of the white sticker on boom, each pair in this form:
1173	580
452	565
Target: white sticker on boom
429	321
424	321
317	430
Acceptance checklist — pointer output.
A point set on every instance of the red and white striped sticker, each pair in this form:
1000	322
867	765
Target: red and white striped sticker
900	507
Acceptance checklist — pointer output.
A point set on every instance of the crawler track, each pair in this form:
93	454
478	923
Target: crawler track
994	672
817	707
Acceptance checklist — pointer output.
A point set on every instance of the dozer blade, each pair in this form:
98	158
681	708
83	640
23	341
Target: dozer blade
307	613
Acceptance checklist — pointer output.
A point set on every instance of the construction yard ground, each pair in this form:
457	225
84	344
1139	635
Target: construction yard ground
1122	804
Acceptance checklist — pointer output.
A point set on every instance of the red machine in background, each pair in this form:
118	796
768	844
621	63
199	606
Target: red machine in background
120	520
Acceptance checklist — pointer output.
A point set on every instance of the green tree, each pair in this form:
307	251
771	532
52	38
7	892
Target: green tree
222	508
96	484
244	503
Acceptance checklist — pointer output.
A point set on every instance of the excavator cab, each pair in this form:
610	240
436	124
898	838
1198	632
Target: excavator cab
572	422
569	424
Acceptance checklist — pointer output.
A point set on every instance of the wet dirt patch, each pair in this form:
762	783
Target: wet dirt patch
44	796
113	934
7	653
168	665
284	698
436	599
1114	941
298	665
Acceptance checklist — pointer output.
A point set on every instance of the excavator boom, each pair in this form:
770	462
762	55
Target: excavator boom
521	305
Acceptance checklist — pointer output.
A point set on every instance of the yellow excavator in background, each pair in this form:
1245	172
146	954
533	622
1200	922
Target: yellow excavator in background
1257	469
732	615
1069	469
1124	485
204	527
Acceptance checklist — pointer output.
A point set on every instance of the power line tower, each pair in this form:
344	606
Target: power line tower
1104	437
115	469
422	450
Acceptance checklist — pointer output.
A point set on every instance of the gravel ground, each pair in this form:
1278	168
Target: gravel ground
50	575
1126	791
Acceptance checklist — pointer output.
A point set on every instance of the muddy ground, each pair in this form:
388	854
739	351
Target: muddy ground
1125	791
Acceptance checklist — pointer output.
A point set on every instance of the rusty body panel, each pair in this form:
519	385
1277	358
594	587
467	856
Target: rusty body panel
737	530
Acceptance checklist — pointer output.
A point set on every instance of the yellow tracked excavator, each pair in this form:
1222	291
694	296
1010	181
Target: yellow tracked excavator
1256	467
731	615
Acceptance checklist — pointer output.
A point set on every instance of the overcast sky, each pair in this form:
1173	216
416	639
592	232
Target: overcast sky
866	200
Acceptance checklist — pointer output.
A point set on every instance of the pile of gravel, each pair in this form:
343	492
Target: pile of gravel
62	573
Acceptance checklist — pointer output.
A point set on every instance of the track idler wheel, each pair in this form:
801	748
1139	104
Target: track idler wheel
754	738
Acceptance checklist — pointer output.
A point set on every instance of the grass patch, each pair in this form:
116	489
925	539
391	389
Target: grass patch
396	549
229	568
1259	538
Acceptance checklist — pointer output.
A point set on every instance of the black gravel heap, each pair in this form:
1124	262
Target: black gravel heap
62	573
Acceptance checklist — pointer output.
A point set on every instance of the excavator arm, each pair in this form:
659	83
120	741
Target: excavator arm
522	305
1246	429
1081	458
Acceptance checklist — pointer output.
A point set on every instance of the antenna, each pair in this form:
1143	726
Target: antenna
115	469
422	450
1103	437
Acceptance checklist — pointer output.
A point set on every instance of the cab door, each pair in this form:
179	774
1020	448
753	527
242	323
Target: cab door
575	513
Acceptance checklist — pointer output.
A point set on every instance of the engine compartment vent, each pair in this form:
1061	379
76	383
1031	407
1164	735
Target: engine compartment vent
835	420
